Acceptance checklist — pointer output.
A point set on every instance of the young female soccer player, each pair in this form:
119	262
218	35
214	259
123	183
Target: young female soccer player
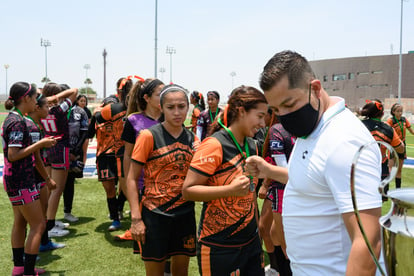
143	112
41	176
196	99
19	178
400	124
108	124
56	125
229	243
165	224
207	117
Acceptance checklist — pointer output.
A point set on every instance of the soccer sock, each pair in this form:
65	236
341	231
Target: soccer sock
121	201
113	208
398	182
272	260
29	264
283	263
18	256
50	224
45	237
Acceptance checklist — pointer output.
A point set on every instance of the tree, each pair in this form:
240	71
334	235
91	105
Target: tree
45	80
86	91
88	81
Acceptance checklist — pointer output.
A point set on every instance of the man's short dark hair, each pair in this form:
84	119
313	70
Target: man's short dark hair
288	63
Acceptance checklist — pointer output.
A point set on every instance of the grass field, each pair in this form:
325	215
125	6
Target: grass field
90	248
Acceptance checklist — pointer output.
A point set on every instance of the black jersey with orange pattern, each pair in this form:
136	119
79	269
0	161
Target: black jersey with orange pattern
400	126
228	221
56	123
383	132
166	160
109	127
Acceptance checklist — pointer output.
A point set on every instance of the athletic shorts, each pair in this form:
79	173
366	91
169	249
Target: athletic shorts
120	166
58	157
40	185
275	195
24	196
168	236
106	167
234	261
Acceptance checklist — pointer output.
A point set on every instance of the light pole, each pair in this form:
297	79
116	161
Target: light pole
170	51
6	66
104	54
87	67
162	71
45	43
232	74
156	39
400	57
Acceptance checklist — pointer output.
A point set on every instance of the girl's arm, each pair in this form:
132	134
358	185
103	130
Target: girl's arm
137	224
40	167
127	156
69	93
410	130
195	187
15	153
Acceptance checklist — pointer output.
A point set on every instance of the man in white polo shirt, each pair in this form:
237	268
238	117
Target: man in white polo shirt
322	234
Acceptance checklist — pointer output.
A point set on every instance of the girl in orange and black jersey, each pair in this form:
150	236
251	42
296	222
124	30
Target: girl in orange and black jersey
229	243
164	222
196	99
400	124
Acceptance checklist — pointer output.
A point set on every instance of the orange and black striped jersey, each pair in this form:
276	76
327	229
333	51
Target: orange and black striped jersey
400	126
109	126
383	132
228	221
166	160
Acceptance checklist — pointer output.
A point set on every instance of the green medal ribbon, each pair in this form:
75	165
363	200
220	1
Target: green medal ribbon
246	148
211	115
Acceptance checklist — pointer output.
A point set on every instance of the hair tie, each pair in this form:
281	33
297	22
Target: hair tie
226	109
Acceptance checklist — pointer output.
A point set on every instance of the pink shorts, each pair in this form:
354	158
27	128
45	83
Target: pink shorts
24	196
275	195
58	157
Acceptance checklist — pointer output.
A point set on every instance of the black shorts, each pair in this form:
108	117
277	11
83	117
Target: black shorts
58	156
168	236
244	260
106	167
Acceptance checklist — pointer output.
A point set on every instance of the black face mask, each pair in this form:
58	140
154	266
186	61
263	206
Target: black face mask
301	122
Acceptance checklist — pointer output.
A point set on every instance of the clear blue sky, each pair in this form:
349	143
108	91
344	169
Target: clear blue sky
212	38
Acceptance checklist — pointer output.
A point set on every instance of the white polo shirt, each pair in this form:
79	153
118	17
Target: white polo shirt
318	191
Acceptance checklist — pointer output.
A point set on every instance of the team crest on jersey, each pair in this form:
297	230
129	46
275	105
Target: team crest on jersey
77	116
276	145
16	136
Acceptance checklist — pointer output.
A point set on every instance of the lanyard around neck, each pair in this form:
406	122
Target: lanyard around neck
18	111
246	146
401	126
37	125
211	115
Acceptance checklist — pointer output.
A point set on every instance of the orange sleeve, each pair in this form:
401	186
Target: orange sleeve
143	147
196	112
106	112
407	123
389	121
395	139
207	157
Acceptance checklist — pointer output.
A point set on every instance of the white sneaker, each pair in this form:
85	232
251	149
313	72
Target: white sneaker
57	232
61	225
270	271
71	218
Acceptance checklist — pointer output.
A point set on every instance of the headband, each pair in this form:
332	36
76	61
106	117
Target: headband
28	90
214	94
170	88
150	87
